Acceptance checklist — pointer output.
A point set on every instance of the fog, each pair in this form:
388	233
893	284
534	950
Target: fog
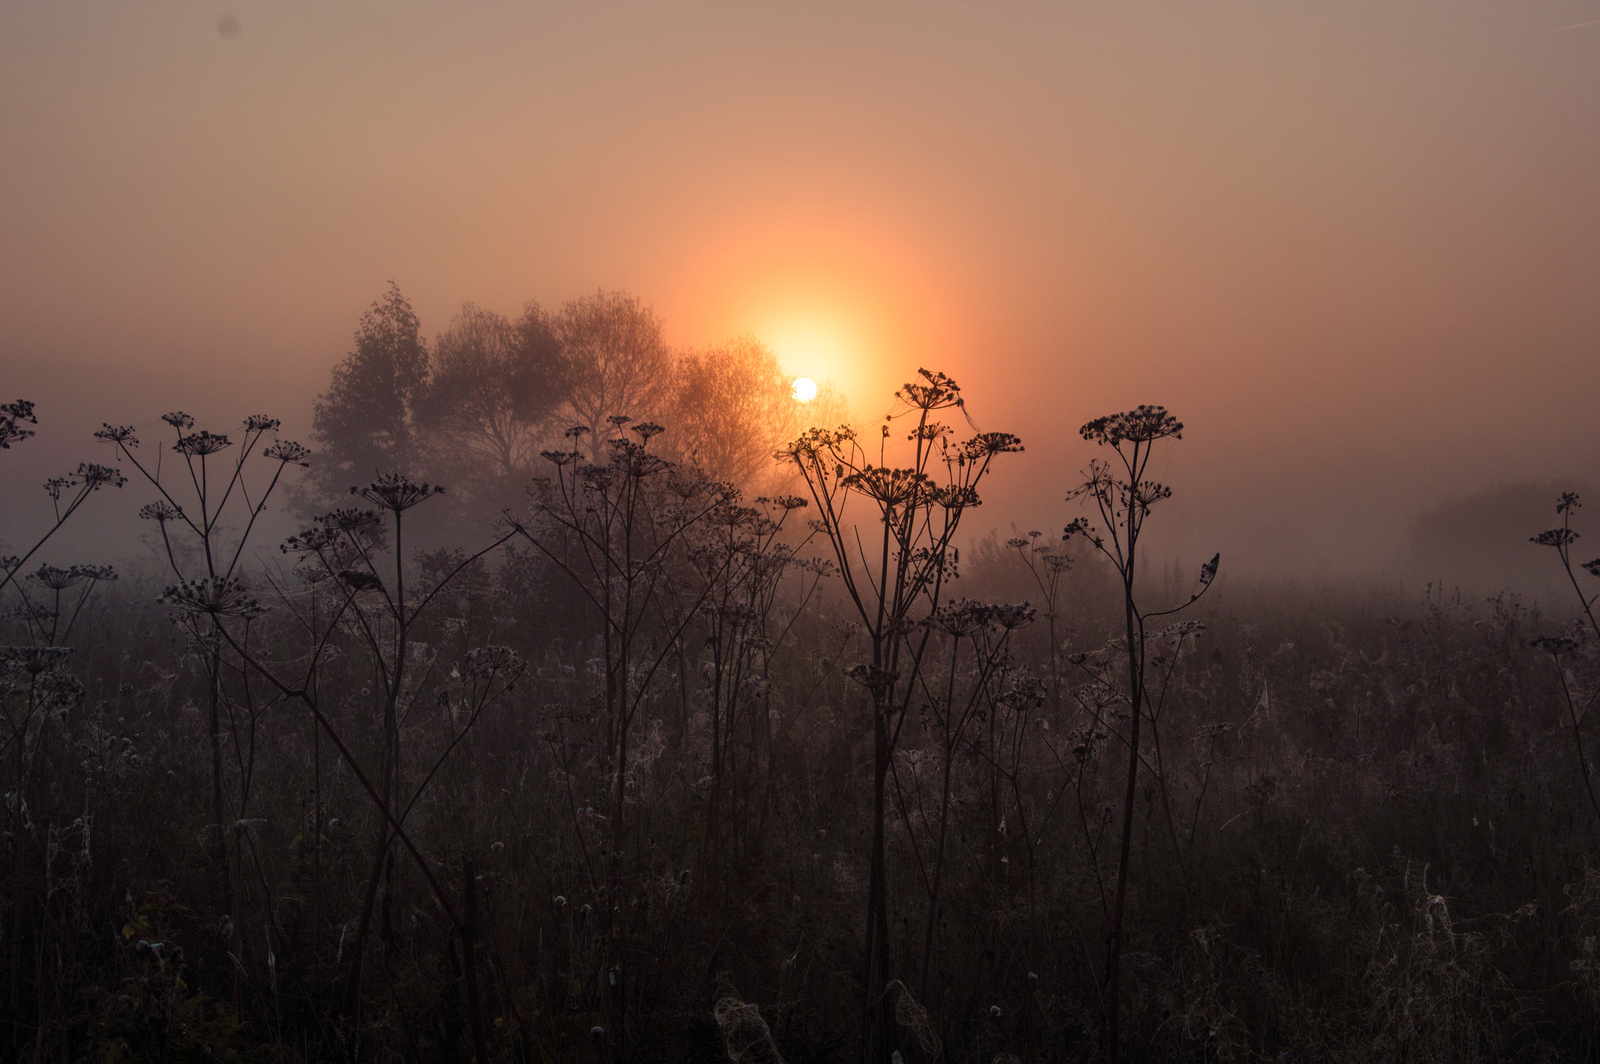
1352	248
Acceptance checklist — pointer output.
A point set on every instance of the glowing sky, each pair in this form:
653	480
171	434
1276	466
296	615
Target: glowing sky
1355	246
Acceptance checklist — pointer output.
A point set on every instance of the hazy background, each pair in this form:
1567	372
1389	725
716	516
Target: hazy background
1355	246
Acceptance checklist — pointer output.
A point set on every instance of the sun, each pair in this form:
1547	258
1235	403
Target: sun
805	389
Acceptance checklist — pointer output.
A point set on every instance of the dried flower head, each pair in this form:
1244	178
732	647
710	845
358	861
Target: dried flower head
32	660
10	414
395	492
487	661
936	391
320	536
260	423
95	475
647	429
1010	617
202	443
161	512
991	443
90	475
1555	645
1554	537
960	618
289	453
57	579
222	597
786	502
179	420
121	434
1144	424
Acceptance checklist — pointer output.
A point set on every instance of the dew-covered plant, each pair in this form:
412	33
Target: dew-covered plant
213	483
1122	498
1581	643
895	576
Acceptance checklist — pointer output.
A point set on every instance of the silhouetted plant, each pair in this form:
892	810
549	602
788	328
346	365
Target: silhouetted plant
1564	648
901	582
1123	499
345	548
210	592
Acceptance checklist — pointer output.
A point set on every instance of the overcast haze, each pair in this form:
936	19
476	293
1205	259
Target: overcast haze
1354	246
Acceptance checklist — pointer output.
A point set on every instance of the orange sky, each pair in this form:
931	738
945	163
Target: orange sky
1355	246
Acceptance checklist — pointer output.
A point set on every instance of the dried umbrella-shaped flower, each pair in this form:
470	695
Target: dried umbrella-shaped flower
289	453
33	660
10	414
223	597
57	579
90	476
202	443
395	492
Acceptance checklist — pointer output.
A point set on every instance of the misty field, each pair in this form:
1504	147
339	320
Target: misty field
713	735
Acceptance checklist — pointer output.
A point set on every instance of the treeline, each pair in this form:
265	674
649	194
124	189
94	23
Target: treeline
475	406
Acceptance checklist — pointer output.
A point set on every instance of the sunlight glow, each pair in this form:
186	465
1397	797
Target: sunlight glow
805	389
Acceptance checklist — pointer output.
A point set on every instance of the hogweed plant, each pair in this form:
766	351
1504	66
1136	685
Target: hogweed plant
36	688
618	528
370	602
739	561
895	577
1121	497
1564	649
213	482
973	653
615	528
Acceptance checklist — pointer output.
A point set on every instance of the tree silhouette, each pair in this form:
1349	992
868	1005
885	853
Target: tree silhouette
365	421
494	386
616	359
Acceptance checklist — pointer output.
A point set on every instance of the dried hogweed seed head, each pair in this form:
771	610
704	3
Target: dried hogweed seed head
223	597
60	579
395	492
121	434
94	475
10	415
1554	537
202	443
32	660
289	453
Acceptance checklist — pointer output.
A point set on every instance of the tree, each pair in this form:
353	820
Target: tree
495	384
617	361
365	421
735	407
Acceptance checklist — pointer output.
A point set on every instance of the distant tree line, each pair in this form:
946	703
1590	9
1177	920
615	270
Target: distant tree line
476	406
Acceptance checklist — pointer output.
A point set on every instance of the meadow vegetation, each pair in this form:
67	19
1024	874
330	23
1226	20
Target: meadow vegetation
695	728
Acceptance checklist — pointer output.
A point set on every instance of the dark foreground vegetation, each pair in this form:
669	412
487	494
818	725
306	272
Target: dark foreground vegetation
650	770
